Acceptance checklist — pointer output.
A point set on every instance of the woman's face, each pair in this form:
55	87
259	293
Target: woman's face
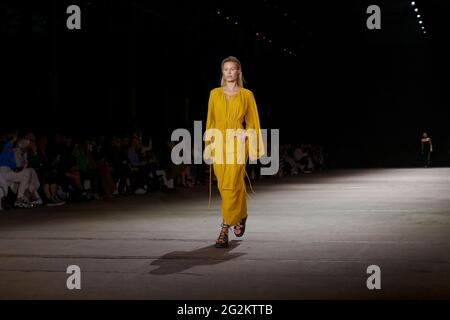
230	71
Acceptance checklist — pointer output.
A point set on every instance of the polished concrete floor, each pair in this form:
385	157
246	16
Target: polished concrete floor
308	237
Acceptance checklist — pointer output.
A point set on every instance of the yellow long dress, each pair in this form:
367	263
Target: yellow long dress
230	113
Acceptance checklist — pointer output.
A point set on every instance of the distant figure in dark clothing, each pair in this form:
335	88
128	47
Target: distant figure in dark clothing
427	149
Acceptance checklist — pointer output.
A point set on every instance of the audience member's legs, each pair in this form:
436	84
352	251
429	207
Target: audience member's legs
124	174
3	189
21	178
108	185
75	178
33	185
292	164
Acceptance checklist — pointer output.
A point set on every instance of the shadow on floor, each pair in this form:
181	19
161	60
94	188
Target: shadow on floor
178	261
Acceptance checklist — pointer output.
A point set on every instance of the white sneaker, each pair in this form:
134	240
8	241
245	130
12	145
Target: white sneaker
37	202
22	203
140	191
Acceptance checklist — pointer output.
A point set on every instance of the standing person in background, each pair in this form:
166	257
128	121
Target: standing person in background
427	149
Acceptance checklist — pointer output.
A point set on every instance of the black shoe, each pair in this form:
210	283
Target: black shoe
54	202
240	227
222	241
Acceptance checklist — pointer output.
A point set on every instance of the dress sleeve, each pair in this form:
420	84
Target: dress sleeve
255	143
210	120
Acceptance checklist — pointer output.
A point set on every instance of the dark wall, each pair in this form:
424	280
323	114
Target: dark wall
365	95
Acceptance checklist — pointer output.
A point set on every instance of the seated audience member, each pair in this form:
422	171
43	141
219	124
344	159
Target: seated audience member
14	177
47	172
60	155
86	166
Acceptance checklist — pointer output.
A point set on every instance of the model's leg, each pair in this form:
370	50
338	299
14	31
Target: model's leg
233	193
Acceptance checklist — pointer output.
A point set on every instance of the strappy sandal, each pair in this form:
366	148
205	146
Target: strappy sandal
239	229
222	241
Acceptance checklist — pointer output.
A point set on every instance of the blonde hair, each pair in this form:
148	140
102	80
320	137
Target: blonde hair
240	79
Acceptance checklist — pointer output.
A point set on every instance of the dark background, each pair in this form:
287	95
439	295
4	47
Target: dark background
323	78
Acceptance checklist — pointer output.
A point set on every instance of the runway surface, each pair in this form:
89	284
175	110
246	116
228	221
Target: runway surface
308	237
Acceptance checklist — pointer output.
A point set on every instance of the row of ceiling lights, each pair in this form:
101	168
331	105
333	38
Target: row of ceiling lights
259	35
416	11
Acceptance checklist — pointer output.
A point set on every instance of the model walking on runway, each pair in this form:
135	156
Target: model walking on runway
228	107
